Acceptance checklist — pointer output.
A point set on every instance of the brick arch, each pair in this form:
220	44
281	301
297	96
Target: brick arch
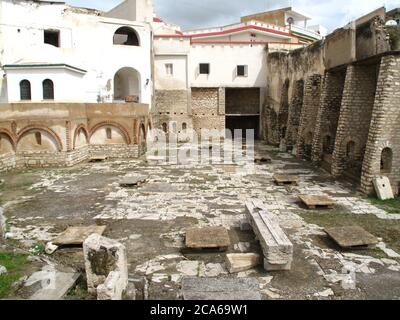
121	128
48	130
11	137
79	127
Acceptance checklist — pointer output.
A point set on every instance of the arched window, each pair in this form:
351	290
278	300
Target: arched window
38	138
25	90
165	127
48	90
184	126
386	160
109	133
126	36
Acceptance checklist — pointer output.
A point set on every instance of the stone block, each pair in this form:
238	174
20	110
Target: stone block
383	188
194	288
237	262
103	256
276	247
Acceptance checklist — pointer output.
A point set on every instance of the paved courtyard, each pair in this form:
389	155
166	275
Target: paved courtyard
151	221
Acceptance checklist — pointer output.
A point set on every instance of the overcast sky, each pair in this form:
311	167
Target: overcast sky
208	13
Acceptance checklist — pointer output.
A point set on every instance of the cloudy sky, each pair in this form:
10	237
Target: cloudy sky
207	13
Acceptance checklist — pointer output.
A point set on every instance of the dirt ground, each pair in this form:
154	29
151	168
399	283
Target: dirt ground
151	220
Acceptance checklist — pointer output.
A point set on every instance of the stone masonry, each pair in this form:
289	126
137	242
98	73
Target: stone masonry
385	126
354	120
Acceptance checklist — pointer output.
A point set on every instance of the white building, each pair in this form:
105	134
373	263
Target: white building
51	51
216	77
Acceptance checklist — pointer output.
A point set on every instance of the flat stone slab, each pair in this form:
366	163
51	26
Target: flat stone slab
98	158
282	180
352	236
194	288
132	181
314	201
383	188
52	284
207	238
77	235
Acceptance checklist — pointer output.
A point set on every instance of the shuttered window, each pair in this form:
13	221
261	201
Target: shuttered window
25	90
48	90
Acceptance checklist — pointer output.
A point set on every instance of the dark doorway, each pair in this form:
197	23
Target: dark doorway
243	123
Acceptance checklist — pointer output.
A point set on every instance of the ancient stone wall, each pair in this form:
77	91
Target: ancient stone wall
49	135
208	108
354	120
328	116
384	133
295	107
308	118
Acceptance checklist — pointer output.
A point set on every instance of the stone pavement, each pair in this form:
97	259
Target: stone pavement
151	221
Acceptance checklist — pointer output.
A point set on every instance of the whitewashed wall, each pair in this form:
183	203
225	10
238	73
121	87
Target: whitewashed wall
86	43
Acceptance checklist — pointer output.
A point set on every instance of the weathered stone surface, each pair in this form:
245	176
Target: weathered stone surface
277	248
237	262
77	235
132	181
50	248
220	289
282	179
111	289
352	236
207	238
383	188
314	201
52	283
103	256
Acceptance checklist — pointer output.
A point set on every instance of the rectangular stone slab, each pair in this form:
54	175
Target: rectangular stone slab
313	201
352	236
276	246
77	235
207	238
383	188
98	158
194	288
282	179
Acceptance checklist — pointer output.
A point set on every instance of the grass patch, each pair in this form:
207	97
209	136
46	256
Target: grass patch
391	206
14	264
37	249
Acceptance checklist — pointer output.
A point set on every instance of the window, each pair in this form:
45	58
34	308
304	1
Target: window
165	127
169	69
351	150
386	160
241	71
25	90
184	126
38	138
52	37
204	68
48	90
126	36
108	133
